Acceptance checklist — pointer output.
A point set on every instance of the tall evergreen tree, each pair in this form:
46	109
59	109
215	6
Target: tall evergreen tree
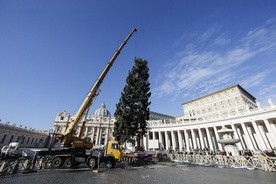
132	110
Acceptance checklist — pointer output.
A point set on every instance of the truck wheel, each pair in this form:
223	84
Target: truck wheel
67	162
92	163
109	164
57	162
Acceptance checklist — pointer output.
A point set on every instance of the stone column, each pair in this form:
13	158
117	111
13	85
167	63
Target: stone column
98	135
262	144
193	139
79	131
63	129
210	142
173	141
167	140
186	134
201	139
252	137
272	126
271	132
93	135
265	138
106	136
153	135
247	137
217	137
236	135
180	140
243	144
101	131
146	140
85	132
161	143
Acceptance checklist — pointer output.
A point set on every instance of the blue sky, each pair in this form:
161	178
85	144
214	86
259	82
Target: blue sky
51	52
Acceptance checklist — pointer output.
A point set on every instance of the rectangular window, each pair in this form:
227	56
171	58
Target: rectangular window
115	146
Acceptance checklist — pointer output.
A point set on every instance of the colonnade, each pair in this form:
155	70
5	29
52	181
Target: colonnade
98	135
253	135
98	132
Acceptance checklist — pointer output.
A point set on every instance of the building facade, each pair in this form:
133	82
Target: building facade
99	125
197	129
27	137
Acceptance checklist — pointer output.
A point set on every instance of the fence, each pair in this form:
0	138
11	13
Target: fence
258	161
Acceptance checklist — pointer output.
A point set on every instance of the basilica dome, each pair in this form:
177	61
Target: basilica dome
102	111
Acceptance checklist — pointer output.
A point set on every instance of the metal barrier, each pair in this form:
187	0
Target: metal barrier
22	164
257	161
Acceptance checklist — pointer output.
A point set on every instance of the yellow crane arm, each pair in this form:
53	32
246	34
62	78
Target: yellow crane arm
68	136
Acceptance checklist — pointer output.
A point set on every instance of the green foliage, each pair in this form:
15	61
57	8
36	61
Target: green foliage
132	110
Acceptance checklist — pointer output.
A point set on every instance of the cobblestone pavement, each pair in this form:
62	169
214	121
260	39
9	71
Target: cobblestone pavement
151	174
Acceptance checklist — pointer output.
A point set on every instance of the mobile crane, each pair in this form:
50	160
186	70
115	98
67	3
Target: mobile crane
69	139
75	147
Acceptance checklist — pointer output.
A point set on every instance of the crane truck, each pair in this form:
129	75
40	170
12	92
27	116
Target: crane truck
112	154
76	149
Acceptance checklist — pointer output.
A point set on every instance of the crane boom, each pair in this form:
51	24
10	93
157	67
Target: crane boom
69	137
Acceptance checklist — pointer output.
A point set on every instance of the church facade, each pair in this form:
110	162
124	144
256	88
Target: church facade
98	127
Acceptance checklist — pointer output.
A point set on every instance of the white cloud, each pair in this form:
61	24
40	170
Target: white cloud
255	79
208	34
198	72
267	89
221	40
267	92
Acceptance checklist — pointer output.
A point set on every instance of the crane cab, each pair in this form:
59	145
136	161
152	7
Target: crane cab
114	150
